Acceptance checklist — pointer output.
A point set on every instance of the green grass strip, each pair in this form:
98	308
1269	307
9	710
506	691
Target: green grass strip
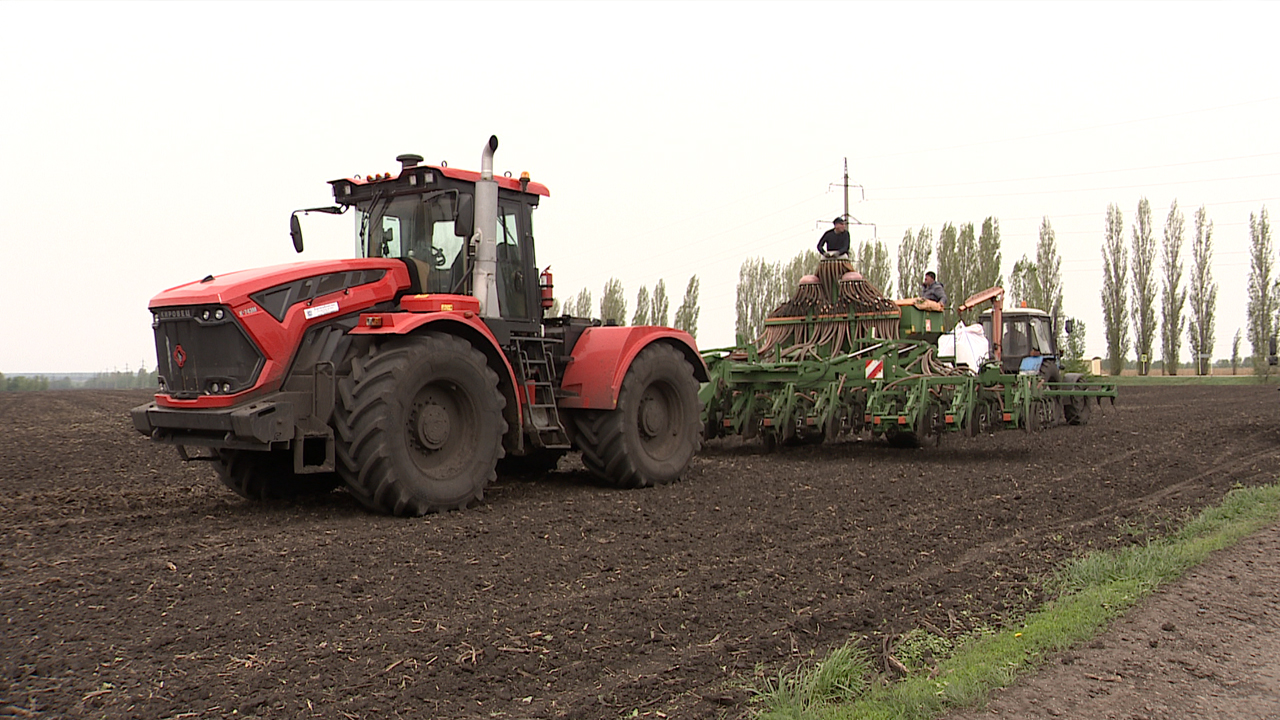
1096	590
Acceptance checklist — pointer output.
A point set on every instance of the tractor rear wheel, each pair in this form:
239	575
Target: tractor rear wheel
1076	410
269	475
649	438
420	425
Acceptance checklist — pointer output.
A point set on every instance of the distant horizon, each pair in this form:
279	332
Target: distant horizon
70	375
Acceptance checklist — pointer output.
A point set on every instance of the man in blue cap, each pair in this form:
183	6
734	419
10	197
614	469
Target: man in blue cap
836	240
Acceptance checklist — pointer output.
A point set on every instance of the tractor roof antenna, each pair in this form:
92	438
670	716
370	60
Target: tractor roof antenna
863	191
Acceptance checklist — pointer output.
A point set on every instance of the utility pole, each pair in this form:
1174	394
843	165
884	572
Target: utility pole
847	217
846	189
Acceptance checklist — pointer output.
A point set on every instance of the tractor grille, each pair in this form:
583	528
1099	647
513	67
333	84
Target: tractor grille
202	350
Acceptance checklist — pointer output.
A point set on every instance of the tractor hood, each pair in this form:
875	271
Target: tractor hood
311	279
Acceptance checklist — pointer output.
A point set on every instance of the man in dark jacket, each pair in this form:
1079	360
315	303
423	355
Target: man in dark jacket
836	240
932	289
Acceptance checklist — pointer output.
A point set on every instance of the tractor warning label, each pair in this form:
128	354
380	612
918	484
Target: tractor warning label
875	370
317	311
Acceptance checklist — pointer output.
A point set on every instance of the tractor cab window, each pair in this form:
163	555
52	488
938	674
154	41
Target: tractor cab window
1017	337
512	284
419	228
1042	339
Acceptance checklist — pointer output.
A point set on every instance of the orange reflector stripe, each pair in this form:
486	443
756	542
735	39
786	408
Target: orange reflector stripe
951	419
1008	417
902	419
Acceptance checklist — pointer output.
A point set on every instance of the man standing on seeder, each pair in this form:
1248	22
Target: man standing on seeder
835	242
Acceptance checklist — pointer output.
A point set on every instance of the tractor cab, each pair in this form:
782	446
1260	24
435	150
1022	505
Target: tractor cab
1026	341
426	217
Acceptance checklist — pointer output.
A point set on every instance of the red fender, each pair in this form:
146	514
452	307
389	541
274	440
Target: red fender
463	323
603	355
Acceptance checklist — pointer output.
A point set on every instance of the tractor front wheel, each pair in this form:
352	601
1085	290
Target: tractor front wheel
420	425
656	428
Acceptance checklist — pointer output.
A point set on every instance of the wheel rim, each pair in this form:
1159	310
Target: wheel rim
659	417
440	428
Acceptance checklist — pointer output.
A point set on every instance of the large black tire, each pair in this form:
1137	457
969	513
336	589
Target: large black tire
649	438
255	475
419	425
1076	410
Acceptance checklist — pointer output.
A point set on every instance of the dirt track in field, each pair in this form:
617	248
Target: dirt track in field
134	586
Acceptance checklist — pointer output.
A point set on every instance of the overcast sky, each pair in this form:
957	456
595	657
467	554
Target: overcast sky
146	145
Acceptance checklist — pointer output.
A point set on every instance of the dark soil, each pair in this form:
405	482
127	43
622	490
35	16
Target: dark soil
133	585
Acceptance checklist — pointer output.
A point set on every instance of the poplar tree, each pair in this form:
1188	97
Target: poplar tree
1024	284
1075	346
1203	295
914	253
962	282
687	313
1263	299
658	309
580	305
763	286
758	283
1115	301
873	263
1235	352
1144	288
1049	270
642	307
613	303
1174	298
789	274
988	274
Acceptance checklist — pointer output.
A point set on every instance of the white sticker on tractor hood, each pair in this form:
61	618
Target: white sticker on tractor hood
315	312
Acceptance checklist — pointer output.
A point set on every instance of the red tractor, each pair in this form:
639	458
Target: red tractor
409	372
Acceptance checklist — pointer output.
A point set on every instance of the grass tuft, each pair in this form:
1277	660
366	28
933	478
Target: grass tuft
841	677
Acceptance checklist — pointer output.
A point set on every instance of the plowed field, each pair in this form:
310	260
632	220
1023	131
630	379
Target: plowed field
132	585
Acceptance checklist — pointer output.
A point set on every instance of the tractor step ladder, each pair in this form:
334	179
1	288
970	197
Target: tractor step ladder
538	378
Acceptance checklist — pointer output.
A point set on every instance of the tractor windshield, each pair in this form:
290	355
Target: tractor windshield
415	227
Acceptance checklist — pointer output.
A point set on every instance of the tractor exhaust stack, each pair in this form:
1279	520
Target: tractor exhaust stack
485	277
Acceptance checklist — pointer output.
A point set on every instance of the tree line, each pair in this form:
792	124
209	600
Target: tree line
1130	279
117	380
967	260
652	308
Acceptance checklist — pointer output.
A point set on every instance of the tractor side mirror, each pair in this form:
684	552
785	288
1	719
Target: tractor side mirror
295	226
464	225
1070	325
295	232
